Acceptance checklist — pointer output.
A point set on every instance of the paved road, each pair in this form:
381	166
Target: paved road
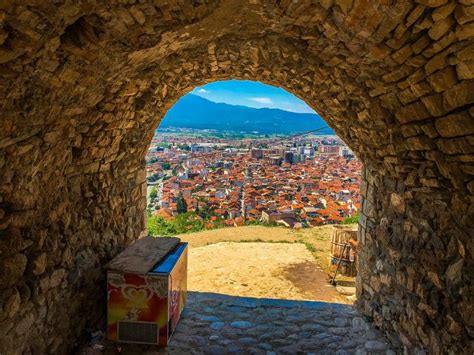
221	324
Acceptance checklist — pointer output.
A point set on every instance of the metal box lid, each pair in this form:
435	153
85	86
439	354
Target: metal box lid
141	256
167	263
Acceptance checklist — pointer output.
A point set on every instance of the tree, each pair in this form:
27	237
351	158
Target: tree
188	223
184	147
205	211
154	177
153	193
181	206
163	145
352	219
157	226
165	166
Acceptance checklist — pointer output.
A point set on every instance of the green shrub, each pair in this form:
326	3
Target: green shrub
352	219
153	193
184	223
181	206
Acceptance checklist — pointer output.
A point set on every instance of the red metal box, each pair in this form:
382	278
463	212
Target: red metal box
146	291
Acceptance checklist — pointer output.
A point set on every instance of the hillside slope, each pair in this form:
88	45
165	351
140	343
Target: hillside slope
193	111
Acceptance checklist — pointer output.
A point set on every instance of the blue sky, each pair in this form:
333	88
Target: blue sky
252	94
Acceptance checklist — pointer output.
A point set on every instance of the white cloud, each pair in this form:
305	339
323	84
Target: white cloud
262	100
203	91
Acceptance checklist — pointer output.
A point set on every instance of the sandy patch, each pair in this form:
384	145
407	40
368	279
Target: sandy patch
265	270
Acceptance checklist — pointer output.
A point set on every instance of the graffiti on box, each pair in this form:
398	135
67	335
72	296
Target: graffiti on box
137	298
178	279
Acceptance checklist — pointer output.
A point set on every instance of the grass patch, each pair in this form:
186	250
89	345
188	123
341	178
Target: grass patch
259	240
310	247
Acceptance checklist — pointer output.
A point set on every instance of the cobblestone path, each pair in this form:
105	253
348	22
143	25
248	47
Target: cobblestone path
220	324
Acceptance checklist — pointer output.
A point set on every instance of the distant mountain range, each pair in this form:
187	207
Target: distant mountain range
195	112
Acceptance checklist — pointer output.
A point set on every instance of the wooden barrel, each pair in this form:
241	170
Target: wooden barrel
340	237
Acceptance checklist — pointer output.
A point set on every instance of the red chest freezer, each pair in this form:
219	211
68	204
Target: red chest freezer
146	291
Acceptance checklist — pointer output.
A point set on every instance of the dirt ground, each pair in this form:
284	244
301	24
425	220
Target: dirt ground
269	262
317	239
263	270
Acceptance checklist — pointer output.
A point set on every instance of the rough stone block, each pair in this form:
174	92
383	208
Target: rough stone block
465	70
415	14
459	95
421	89
406	96
434	105
39	264
455	146
464	14
466	53
454	272
430	130
443	79
419	143
397	202
458	124
440	45
421	44
431	3
13	268
440	28
413	112
410	130
465	31
402	54
438	62
443	11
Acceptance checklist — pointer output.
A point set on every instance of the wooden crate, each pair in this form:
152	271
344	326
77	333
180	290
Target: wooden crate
340	237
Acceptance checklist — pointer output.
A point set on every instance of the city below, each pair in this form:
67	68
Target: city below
297	181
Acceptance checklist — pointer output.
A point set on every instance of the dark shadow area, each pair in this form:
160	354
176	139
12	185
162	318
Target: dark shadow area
346	283
312	282
253	302
214	323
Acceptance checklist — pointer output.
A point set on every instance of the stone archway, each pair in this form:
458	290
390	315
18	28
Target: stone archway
84	86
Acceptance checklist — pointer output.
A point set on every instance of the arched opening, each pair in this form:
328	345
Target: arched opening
83	87
222	157
254	181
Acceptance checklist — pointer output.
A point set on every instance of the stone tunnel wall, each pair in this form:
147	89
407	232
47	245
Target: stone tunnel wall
414	262
83	86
